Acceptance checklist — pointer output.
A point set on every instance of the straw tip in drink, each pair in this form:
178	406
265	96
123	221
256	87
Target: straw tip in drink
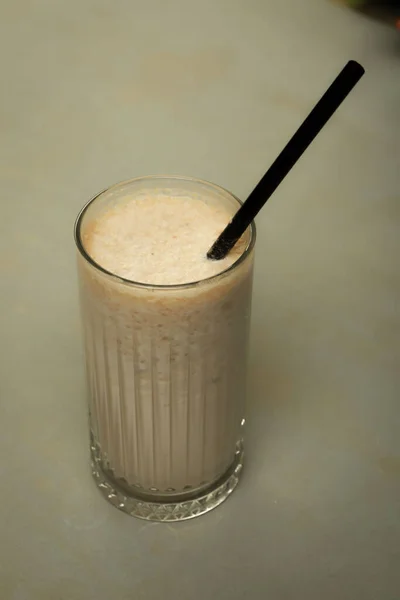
215	253
221	247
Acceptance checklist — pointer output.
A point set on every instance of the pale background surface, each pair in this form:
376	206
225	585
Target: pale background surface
97	91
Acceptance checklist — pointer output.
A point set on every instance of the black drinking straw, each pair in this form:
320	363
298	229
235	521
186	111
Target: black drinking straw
318	117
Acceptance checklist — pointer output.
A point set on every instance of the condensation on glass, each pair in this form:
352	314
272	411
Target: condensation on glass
166	372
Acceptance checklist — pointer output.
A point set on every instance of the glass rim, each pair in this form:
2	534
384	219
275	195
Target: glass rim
138	284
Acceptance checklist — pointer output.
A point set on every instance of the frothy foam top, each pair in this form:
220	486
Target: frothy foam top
160	240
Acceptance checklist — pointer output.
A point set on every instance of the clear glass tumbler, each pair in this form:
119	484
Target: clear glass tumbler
166	371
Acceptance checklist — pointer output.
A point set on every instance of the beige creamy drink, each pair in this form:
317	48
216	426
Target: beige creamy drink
166	356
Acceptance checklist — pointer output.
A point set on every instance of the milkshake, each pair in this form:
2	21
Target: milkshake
166	335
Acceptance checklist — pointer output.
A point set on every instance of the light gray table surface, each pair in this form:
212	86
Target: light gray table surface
98	91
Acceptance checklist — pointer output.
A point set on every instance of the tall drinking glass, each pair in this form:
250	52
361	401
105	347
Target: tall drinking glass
166	371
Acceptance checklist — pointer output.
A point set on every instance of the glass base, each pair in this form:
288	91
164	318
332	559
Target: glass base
186	507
